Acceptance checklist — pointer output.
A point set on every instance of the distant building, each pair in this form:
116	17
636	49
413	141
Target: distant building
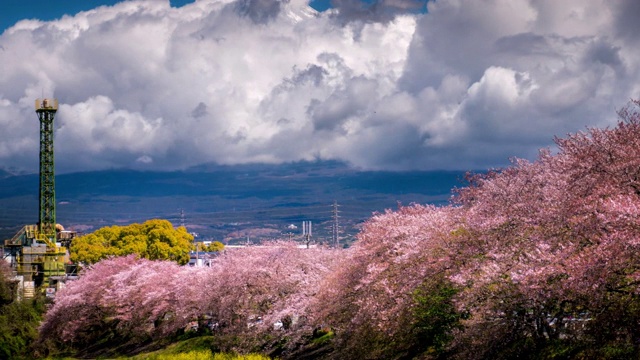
201	258
299	246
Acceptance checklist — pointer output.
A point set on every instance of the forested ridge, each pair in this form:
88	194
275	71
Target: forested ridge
539	260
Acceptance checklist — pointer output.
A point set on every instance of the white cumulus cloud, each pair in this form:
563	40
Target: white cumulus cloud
466	85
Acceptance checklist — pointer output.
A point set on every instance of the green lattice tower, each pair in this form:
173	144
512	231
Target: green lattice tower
46	110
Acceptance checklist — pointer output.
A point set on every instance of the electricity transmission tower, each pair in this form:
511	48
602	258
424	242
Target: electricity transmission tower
182	218
336	231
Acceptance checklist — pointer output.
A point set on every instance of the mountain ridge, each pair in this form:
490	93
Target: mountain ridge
213	196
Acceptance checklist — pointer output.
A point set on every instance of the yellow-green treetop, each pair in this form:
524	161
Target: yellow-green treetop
154	239
214	246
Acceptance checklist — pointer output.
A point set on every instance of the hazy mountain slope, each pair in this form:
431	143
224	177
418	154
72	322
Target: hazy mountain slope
214	196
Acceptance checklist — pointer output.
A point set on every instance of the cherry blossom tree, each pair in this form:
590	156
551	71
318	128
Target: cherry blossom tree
259	295
558	242
373	301
123	299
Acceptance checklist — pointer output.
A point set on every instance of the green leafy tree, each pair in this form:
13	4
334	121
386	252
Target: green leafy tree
19	328
153	239
435	316
214	246
6	290
19	320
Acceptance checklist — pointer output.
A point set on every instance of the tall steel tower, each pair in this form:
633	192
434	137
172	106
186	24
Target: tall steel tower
46	110
37	251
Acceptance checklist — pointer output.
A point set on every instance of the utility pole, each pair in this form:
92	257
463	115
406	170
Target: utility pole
306	231
336	229
197	254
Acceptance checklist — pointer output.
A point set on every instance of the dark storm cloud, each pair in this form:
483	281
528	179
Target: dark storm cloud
343	104
606	53
260	11
379	10
313	73
626	22
199	111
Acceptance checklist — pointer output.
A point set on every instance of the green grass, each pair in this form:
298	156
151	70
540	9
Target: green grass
198	348
199	355
323	339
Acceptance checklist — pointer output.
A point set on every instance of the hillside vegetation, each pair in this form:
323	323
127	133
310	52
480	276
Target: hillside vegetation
18	319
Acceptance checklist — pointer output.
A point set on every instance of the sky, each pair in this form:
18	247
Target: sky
383	85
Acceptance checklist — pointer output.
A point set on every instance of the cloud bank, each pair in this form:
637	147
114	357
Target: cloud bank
464	86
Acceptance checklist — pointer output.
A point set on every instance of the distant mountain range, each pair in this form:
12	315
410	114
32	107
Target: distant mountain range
229	203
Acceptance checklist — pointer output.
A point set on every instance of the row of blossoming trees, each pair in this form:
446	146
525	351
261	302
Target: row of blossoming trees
539	258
